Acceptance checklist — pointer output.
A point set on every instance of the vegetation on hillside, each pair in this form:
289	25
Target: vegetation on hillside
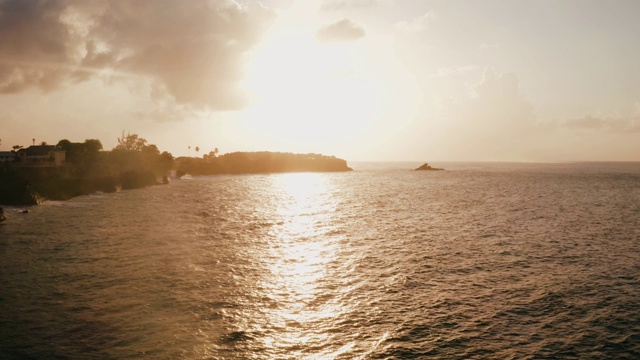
258	162
134	163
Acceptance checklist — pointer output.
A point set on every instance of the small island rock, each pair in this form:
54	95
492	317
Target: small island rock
426	166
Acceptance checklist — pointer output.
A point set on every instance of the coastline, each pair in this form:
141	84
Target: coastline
33	186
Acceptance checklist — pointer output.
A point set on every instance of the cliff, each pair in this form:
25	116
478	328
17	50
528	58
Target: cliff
33	186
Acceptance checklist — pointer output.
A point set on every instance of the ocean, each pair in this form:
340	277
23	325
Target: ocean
481	261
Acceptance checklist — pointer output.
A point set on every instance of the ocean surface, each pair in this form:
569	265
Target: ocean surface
482	261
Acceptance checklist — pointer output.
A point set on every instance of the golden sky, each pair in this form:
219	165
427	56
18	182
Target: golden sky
418	80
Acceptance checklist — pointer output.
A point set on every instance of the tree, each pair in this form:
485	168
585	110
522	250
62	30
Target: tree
83	155
165	162
43	143
64	144
16	147
197	150
211	154
151	150
92	145
130	142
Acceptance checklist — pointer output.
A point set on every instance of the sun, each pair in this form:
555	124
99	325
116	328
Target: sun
306	93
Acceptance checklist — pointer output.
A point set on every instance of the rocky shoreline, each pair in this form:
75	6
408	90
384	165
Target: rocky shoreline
33	186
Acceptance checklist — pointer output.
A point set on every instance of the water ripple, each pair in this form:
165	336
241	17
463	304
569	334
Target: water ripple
487	261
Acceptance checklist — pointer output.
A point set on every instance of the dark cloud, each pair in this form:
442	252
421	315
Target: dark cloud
31	32
341	30
194	50
629	125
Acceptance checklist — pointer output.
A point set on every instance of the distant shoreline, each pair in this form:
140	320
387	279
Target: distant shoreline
27	186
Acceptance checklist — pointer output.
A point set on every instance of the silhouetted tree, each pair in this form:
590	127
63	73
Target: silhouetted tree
165	162
92	145
83	156
211	155
65	145
130	142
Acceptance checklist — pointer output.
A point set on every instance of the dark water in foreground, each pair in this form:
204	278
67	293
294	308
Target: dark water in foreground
501	261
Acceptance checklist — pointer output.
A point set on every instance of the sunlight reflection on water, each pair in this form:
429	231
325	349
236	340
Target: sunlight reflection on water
301	261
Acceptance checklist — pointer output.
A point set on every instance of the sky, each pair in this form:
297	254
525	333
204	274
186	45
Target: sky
364	80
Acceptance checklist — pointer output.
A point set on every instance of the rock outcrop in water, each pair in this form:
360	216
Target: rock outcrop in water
16	190
426	166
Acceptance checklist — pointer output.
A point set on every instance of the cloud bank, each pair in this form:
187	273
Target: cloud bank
192	50
341	30
497	122
612	124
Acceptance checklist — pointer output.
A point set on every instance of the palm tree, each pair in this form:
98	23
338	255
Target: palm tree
189	150
197	150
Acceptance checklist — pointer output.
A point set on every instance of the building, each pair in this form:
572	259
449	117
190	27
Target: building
41	155
7	156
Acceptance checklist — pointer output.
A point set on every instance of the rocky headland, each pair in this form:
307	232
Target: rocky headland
259	163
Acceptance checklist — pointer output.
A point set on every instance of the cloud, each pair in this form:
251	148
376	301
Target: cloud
456	70
496	122
587	122
31	31
335	5
613	124
417	24
497	98
341	30
193	49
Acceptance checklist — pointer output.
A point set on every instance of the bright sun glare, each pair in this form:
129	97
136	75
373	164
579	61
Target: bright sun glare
306	93
301	257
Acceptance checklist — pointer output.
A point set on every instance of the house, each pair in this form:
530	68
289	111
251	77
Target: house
7	156
41	155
